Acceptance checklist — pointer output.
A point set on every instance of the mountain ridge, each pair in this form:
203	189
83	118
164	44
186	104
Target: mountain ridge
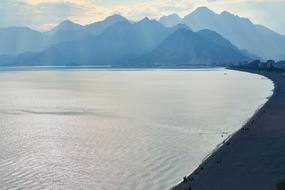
193	48
130	44
257	39
29	40
118	41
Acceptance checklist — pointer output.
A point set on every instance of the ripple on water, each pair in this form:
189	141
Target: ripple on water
118	130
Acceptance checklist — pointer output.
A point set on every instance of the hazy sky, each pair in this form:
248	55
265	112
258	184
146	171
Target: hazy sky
43	14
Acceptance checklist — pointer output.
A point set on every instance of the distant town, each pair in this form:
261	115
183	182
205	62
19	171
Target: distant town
269	65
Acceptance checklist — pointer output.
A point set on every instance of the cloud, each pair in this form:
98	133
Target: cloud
42	14
155	9
22	13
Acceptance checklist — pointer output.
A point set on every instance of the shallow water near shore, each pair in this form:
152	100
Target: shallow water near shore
117	129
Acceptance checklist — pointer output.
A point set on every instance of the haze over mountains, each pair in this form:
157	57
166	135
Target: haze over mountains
256	39
205	46
17	40
115	41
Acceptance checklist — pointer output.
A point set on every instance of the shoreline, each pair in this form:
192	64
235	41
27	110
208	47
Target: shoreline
254	156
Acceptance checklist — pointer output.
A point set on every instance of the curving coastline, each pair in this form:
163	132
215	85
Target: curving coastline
254	157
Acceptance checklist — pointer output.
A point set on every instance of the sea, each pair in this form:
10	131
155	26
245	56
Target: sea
118	129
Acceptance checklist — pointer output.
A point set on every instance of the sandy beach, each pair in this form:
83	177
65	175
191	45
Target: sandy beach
254	158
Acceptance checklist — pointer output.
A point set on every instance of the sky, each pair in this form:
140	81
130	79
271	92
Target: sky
44	14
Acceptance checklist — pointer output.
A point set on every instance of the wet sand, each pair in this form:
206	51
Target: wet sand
254	157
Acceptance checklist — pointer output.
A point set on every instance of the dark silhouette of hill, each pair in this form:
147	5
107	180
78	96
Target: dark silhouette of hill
185	47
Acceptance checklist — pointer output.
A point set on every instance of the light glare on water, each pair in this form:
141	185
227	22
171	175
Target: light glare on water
121	130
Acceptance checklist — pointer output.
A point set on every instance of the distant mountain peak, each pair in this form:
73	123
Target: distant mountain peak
170	20
99	27
108	21
203	10
66	25
115	18
146	20
66	22
227	13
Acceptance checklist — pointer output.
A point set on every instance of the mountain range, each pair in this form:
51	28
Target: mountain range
256	39
204	47
17	40
200	38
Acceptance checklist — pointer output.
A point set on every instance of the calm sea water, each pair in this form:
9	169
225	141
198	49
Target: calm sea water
117	130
